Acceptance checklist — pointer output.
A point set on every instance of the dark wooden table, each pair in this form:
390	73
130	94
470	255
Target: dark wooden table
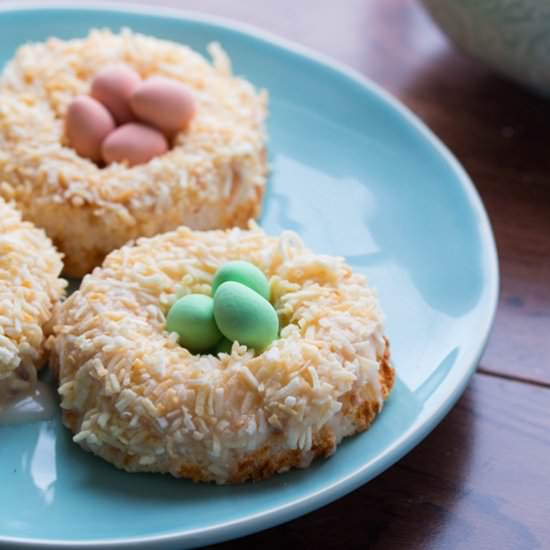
481	480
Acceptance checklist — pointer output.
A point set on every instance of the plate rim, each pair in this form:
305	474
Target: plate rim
263	520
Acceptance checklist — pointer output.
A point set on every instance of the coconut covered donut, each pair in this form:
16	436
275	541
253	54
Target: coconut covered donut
29	289
134	396
213	177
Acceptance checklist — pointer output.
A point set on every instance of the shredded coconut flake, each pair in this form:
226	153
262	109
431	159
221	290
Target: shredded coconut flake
214	176
29	289
125	379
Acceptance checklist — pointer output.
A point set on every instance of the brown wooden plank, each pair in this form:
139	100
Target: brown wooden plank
495	128
480	480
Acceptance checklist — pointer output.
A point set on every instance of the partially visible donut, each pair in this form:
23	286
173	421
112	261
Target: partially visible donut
29	288
213	177
133	396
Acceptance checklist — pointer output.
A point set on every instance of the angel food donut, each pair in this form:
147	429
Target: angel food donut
134	396
29	288
212	177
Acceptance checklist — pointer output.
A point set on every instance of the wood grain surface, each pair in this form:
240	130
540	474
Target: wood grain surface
477	482
481	480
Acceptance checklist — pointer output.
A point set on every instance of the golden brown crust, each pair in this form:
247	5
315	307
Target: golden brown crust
387	372
79	262
261	465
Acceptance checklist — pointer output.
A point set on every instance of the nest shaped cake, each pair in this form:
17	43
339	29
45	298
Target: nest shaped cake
29	289
132	395
212	177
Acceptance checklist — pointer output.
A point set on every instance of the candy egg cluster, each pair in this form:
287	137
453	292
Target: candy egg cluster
239	311
192	317
125	119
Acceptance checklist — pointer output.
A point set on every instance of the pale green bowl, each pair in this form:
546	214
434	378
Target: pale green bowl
512	36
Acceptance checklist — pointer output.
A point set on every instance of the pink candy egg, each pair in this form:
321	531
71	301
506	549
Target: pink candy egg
113	87
87	124
134	143
164	103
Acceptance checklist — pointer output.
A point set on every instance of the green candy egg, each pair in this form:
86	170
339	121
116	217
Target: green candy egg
192	317
245	316
242	272
224	346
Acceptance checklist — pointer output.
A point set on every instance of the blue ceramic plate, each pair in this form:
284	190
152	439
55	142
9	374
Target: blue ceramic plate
355	174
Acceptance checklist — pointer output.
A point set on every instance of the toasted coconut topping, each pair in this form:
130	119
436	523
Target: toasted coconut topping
134	396
214	175
29	288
